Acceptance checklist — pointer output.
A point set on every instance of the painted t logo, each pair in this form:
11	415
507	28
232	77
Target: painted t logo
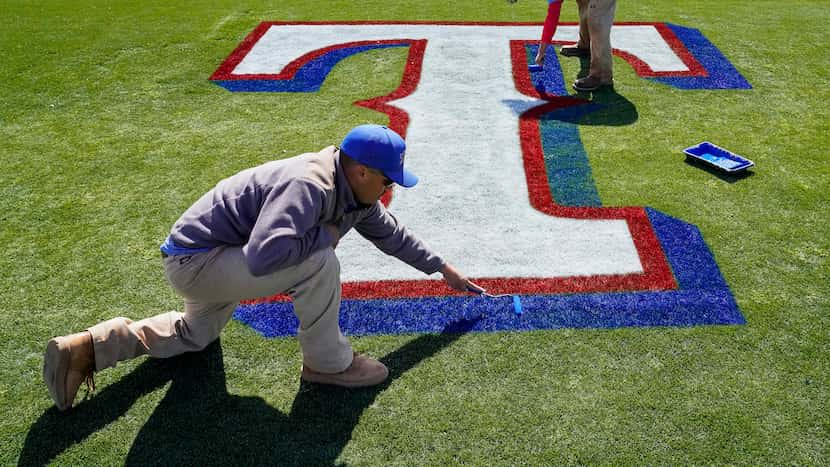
480	201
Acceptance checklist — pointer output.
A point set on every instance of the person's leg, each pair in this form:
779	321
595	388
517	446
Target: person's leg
315	287
171	333
317	306
327	354
583	7
583	45
212	285
600	21
69	360
160	336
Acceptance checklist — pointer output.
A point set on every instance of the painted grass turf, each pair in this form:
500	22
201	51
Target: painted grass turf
109	129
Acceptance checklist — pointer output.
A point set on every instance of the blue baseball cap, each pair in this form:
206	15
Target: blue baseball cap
380	148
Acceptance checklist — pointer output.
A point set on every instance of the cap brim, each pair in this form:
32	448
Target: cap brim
404	178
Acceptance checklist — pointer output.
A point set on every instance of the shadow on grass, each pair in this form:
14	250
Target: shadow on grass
604	107
725	176
613	109
199	423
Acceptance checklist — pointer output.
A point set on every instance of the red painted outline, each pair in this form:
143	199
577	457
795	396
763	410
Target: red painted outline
656	274
642	68
288	72
677	46
225	70
398	118
656	270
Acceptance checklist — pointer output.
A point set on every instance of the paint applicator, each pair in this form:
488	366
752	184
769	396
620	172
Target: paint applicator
517	302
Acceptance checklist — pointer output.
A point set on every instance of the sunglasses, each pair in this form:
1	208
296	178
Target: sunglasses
387	182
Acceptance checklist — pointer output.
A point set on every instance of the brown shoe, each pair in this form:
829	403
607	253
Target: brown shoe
364	371
574	51
68	362
591	83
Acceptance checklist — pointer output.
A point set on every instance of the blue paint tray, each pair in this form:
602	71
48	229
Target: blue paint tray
717	157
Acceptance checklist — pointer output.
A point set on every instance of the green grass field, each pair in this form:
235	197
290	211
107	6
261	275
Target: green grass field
109	129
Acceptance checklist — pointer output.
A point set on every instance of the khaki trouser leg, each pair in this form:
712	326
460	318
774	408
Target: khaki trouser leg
161	336
599	19
212	284
584	41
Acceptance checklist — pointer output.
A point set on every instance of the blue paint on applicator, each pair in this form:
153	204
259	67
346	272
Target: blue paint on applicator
517	302
517	305
534	68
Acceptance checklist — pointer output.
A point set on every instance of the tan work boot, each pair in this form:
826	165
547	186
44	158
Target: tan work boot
364	371
68	361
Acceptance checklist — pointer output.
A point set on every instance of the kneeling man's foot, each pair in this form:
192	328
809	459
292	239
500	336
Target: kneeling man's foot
364	371
68	362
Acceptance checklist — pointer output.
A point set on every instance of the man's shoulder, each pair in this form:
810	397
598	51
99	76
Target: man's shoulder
317	167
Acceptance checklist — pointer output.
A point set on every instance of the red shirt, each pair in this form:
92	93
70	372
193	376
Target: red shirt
551	20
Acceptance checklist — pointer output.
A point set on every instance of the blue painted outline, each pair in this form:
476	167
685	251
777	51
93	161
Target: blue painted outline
703	298
309	77
722	74
551	80
570	178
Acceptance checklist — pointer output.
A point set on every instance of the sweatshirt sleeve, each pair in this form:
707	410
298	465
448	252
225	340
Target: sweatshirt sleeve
288	229
380	227
551	21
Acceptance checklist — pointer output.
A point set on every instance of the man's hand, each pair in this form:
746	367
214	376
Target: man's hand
458	281
540	55
334	231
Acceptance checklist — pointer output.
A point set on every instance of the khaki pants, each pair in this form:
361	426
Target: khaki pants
595	20
212	285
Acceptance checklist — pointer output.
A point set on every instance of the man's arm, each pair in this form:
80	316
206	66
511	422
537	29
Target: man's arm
383	229
549	29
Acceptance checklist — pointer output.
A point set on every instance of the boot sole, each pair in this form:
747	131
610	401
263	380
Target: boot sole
589	89
579	53
55	368
320	378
